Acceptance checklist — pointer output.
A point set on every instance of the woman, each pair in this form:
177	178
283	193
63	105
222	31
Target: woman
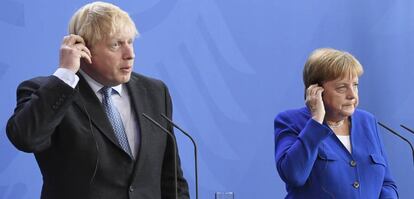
330	149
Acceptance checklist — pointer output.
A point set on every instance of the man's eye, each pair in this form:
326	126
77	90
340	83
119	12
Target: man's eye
115	45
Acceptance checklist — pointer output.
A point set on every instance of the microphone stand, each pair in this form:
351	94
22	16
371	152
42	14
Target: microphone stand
174	145
403	138
195	151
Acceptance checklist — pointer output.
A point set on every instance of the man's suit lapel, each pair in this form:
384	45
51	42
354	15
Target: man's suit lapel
95	112
139	101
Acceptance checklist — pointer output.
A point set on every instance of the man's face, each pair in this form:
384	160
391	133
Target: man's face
112	59
340	97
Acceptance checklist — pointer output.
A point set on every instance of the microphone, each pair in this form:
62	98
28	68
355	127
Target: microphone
174	145
195	150
400	136
406	128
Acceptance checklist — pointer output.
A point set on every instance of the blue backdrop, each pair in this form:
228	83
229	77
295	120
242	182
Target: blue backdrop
231	66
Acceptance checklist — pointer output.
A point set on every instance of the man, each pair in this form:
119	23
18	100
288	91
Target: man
84	123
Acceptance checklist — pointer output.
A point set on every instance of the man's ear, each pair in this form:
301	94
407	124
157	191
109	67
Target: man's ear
84	63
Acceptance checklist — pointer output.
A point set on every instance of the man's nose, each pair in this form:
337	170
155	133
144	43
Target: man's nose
128	52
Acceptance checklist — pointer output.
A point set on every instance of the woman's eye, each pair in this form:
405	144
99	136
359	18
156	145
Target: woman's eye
341	89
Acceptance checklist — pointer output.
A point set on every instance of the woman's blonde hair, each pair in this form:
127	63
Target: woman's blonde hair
99	20
325	64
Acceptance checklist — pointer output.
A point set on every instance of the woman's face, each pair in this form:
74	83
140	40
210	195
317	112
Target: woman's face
340	97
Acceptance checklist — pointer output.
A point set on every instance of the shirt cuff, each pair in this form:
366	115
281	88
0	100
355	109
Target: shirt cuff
66	75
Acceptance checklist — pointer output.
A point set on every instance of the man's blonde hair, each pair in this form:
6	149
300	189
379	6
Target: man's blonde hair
327	64
99	20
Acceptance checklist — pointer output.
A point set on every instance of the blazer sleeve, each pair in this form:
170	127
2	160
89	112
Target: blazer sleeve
41	104
389	188
168	174
296	152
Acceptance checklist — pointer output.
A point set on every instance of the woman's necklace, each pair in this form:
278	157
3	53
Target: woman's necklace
335	125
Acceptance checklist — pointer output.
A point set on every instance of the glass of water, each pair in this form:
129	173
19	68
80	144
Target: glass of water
224	195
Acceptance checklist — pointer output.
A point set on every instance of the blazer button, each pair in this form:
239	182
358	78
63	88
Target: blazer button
352	163
131	188
356	184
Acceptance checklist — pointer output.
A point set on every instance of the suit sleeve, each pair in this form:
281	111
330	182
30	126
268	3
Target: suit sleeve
296	152
41	104
168	179
389	188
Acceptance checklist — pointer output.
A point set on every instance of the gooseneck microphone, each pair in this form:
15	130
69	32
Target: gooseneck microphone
174	145
400	136
195	150
406	128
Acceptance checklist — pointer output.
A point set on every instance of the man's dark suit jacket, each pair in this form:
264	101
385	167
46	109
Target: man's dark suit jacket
75	146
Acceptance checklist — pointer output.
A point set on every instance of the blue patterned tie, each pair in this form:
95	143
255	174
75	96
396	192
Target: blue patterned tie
115	119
